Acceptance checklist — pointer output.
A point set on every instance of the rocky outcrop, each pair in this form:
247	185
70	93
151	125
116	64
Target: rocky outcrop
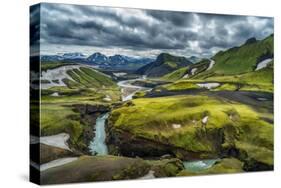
166	167
96	168
91	109
88	115
50	153
124	143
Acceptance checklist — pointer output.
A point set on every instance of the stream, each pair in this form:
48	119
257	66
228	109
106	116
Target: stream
98	145
197	166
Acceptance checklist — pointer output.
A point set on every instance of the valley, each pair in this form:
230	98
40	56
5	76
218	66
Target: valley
168	117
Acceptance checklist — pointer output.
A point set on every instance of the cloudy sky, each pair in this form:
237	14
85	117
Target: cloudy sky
134	32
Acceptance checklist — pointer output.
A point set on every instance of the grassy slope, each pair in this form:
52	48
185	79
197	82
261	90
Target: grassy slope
261	80
45	66
179	73
153	118
57	113
242	59
234	68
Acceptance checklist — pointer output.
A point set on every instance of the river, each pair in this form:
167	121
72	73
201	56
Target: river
200	165
128	90
98	145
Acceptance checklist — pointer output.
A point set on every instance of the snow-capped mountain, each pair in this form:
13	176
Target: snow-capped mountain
98	59
75	55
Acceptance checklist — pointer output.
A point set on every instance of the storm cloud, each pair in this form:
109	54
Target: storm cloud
145	32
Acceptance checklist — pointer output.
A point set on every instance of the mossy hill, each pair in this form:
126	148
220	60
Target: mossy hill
164	64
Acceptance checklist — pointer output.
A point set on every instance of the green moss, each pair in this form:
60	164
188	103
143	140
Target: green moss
180	85
52	65
175	75
154	119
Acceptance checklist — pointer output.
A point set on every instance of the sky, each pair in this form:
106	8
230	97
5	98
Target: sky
143	33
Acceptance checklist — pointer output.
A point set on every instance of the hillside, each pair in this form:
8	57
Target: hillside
164	64
189	71
243	59
234	61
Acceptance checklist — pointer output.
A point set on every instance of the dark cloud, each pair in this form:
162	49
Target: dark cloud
185	33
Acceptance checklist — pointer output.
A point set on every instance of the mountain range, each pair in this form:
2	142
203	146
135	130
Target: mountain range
115	62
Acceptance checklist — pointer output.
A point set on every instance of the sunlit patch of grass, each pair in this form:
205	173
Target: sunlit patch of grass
153	118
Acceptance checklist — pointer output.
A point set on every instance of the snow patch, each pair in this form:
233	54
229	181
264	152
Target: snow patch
56	94
186	76
119	74
193	71
57	162
263	64
208	85
176	126
205	119
59	140
212	63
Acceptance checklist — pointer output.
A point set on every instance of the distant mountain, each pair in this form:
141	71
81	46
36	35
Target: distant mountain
97	58
194	59
74	55
164	64
115	62
51	58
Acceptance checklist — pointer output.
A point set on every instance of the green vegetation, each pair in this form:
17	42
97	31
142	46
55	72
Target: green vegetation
87	86
177	74
45	66
180	85
242	59
164	64
228	124
181	72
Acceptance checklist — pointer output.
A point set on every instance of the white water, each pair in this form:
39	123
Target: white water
195	166
208	85
57	162
98	146
212	63
59	140
263	64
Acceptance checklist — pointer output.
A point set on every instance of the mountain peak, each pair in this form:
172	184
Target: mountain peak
251	40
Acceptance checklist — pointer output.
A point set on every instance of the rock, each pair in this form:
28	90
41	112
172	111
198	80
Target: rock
166	167
96	168
50	153
91	109
126	144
